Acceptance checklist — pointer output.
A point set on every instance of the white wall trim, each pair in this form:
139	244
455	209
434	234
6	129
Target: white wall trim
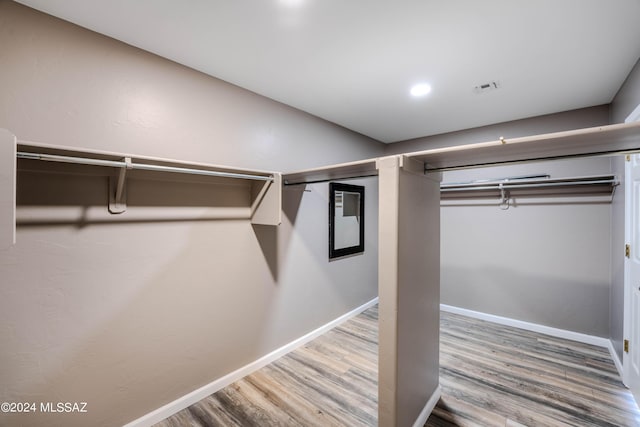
560	333
616	359
428	408
189	399
634	116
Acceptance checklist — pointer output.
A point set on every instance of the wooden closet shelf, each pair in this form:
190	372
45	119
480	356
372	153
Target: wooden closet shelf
596	141
264	188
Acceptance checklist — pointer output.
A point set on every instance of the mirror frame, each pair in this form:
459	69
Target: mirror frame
359	248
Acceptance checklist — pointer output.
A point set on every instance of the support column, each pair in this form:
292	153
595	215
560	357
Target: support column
409	291
7	189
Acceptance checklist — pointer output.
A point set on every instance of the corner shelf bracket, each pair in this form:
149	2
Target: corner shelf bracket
118	195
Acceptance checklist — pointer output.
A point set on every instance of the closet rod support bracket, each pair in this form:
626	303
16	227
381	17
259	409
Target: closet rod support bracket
118	195
504	197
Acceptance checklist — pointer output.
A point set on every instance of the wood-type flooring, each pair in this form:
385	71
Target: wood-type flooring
491	375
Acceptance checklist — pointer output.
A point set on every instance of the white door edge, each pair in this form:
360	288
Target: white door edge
626	328
634	116
626	325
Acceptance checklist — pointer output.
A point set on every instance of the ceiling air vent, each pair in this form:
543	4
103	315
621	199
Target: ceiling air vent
487	87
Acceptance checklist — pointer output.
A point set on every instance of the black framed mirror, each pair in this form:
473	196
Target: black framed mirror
346	219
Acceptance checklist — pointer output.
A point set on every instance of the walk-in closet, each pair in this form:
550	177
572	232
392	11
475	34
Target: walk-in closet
300	213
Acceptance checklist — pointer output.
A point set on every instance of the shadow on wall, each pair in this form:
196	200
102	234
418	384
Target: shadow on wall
123	316
545	300
129	313
134	314
268	235
73	195
313	290
73	198
291	200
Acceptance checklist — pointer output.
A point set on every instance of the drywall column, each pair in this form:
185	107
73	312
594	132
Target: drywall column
409	290
7	189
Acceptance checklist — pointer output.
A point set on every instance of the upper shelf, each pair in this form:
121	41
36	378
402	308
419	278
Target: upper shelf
359	169
602	140
62	154
263	188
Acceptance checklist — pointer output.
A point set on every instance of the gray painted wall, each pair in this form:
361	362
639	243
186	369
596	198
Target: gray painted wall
576	119
545	263
628	97
65	85
134	314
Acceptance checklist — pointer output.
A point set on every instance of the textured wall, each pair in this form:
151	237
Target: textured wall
129	315
546	263
575	119
628	97
65	85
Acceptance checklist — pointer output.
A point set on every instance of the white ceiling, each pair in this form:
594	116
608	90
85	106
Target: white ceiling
352	62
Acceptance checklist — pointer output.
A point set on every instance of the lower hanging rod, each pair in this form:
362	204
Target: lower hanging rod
506	185
140	166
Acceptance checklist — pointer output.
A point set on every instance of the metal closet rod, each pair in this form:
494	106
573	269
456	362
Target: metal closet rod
140	166
508	185
320	181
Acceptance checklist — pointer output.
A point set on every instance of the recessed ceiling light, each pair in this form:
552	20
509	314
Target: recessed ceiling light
291	3
421	89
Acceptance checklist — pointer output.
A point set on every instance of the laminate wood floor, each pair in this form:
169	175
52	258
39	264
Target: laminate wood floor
491	375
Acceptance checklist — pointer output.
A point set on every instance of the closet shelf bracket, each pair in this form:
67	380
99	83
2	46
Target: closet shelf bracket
263	189
118	195
504	198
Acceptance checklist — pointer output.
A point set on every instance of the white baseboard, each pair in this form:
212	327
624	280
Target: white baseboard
189	399
560	333
428	408
555	332
616	359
